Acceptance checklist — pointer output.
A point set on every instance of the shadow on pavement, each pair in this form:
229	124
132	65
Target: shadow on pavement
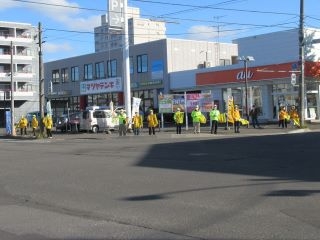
289	156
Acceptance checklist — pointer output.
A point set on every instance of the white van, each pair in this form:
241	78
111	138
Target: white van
97	119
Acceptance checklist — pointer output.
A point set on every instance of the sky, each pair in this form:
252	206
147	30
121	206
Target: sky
68	25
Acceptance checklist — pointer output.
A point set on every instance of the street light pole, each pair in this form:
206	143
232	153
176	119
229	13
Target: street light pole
245	61
246	87
301	62
13	129
41	80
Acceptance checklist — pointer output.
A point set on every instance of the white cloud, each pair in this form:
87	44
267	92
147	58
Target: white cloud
8	4
53	48
83	24
72	18
202	33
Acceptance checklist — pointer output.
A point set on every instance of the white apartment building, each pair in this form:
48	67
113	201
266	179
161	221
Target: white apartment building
140	30
25	69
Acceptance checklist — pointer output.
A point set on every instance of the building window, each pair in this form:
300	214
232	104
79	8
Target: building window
88	72
142	63
112	68
64	75
99	70
75	76
225	62
55	76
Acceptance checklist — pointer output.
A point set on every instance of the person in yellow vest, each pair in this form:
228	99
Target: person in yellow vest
178	119
283	116
23	123
34	124
294	116
236	119
152	122
48	124
122	123
196	115
214	117
137	123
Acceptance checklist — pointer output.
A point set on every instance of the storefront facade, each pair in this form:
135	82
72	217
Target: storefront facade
268	87
75	83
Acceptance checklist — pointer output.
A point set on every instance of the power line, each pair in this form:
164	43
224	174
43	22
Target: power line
59	5
163	3
216	8
197	8
172	4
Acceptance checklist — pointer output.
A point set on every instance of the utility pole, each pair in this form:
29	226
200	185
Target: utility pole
301	62
126	64
41	80
13	129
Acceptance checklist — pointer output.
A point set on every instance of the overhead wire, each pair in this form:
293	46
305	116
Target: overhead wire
197	8
191	7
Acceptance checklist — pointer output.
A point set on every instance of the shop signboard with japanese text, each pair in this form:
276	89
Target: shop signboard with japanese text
101	86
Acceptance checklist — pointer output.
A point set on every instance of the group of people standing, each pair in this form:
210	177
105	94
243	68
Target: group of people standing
235	117
46	120
137	123
196	116
214	116
288	116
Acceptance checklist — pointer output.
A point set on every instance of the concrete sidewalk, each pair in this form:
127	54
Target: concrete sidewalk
267	129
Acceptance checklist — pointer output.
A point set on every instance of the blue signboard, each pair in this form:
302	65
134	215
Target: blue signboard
8	123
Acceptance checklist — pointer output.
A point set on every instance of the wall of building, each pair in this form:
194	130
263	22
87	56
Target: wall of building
140	30
25	68
162	59
279	47
188	54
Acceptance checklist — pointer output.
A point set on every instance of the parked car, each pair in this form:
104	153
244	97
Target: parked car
97	119
74	121
66	123
62	123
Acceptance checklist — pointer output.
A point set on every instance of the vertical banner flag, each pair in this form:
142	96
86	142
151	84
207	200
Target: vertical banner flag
135	105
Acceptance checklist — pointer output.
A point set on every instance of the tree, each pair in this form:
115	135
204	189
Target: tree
315	70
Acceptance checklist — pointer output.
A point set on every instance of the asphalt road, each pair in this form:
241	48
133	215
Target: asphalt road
259	184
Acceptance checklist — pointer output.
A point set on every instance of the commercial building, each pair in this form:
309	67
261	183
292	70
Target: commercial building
96	79
267	81
19	63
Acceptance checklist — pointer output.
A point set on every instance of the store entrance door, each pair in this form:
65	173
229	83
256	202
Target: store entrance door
284	100
312	109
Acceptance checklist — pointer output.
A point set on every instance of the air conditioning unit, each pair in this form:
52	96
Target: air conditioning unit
207	64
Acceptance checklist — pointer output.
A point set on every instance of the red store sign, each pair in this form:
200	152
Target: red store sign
261	73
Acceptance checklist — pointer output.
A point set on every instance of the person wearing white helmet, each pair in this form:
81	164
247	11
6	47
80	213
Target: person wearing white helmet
122	123
178	119
137	123
196	115
152	122
214	117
